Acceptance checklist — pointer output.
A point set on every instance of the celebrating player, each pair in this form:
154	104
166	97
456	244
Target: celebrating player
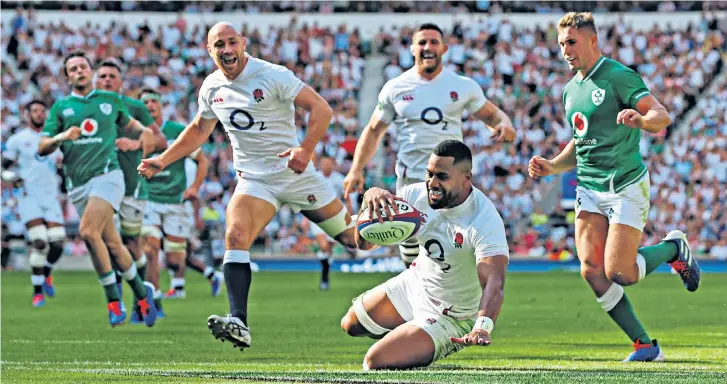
607	105
39	207
255	101
165	214
85	125
131	213
452	293
426	105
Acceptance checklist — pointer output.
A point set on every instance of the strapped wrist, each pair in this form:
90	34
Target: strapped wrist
484	323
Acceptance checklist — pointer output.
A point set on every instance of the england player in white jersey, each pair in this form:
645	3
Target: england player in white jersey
452	293
39	207
255	101
324	242
426	104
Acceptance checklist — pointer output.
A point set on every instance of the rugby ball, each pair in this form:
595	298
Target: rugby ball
391	232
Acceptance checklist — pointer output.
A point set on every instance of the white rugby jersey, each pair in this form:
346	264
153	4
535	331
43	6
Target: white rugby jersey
335	179
257	111
38	173
426	113
451	241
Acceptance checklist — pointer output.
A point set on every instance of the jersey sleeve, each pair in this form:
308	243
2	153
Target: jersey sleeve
385	108
144	117
205	108
489	236
123	117
476	98
288	86
629	87
53	124
10	151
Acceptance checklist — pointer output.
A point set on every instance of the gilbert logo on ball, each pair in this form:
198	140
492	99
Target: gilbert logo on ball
89	127
391	232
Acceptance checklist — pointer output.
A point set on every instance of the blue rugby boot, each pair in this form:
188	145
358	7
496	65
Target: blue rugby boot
646	352
684	264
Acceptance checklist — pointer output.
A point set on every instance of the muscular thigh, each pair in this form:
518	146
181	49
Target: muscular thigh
379	307
621	247
98	212
246	217
591	234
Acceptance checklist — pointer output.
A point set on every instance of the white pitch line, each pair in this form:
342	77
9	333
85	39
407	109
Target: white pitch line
23	341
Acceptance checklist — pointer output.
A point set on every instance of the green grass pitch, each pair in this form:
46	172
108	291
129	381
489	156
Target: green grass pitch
551	330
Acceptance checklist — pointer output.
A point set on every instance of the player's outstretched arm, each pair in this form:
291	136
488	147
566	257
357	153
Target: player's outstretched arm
649	115
497	121
365	150
48	145
188	141
564	162
491	271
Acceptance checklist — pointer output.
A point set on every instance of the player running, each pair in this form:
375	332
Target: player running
39	207
255	101
607	105
166	216
426	104
85	125
452	294
324	242
131	213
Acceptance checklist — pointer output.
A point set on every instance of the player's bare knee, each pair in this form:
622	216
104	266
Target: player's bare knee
351	325
373	359
620	278
89	233
237	237
347	238
39	244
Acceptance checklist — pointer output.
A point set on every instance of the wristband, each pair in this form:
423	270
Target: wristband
484	323
59	138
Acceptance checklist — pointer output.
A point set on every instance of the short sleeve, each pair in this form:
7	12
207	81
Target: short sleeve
10	151
53	123
489	237
288	85
205	108
385	108
476	99
144	116
629	87
123	117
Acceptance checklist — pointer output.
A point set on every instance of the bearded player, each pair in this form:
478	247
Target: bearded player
39	207
452	293
608	106
255	101
85	125
425	104
131	213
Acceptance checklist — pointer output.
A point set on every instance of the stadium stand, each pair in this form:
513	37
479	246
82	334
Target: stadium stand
520	69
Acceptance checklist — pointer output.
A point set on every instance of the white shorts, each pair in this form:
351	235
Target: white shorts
315	230
33	207
417	309
304	192
131	215
629	207
109	186
173	219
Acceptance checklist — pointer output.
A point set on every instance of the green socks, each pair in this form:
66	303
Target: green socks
135	282
618	306
658	254
108	282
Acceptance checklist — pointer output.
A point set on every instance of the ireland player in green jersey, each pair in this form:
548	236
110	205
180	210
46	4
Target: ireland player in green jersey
131	212
166	216
85	125
607	105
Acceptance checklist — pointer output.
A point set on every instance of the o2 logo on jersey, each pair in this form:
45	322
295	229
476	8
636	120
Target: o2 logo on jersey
242	120
579	122
89	127
434	245
433	116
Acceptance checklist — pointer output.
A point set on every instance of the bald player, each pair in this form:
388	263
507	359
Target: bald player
425	104
255	101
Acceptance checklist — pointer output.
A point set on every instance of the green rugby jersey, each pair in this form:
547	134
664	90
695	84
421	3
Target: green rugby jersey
101	116
130	160
607	154
168	186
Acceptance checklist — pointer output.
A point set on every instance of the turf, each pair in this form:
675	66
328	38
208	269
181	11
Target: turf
551	330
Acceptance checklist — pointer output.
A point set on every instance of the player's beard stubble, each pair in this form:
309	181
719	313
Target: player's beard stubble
437	61
443	201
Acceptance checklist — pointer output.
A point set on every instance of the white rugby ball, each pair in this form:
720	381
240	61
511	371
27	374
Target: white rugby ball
391	232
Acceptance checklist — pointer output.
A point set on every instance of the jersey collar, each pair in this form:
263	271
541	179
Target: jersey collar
594	69
74	94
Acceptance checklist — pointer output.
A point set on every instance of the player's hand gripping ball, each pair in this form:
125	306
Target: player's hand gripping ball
402	226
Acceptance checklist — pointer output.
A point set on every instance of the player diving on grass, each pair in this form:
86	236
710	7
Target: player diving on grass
38	205
607	105
85	126
452	293
255	101
425	104
131	211
165	216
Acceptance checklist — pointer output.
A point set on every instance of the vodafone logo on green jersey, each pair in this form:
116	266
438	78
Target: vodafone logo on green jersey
89	127
579	122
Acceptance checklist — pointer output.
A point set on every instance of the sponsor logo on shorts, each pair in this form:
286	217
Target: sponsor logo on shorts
431	321
312	199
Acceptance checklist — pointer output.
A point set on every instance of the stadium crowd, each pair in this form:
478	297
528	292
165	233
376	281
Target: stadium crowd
520	69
